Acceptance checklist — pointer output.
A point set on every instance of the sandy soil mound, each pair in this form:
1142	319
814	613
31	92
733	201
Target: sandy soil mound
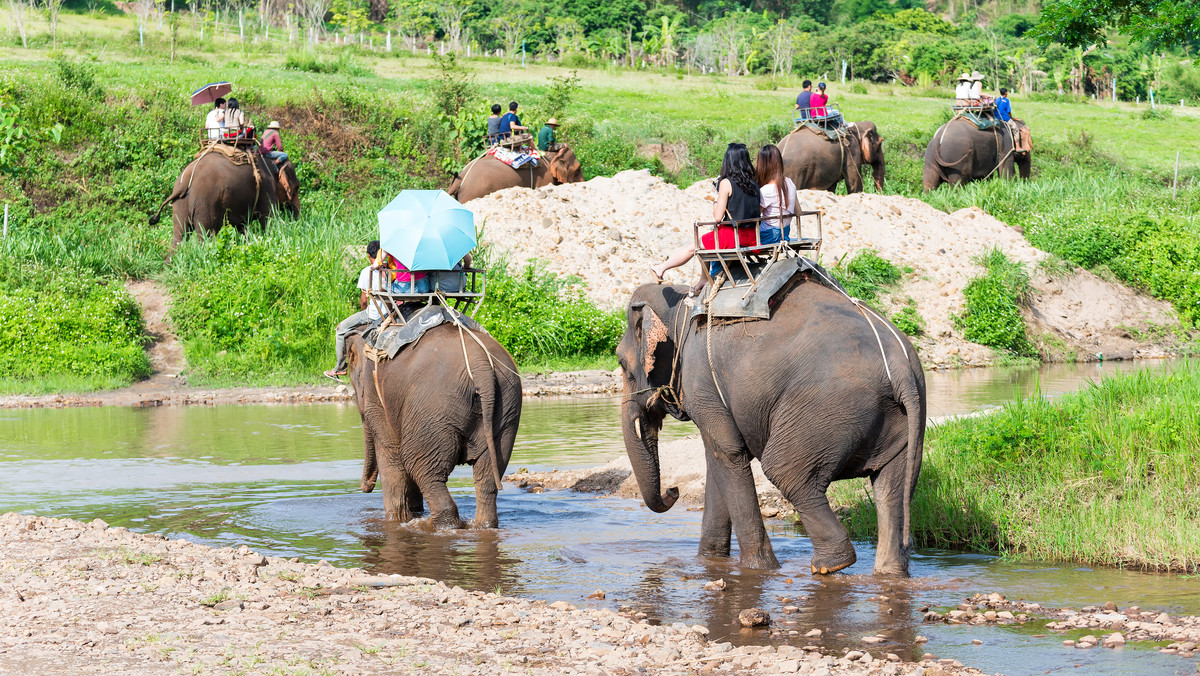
610	230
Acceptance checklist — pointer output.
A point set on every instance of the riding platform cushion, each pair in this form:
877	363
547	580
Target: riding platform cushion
740	302
396	336
983	122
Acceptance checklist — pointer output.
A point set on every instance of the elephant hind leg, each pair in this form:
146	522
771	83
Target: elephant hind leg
398	489
892	551
931	177
486	515
832	548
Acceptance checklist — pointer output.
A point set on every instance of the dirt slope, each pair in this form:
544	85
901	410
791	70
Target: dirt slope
609	230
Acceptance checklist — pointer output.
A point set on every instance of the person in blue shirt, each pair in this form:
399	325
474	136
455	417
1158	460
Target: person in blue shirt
1003	106
511	124
804	101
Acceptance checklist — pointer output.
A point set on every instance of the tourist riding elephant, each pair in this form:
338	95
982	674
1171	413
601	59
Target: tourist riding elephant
443	401
961	152
815	162
485	175
214	190
824	390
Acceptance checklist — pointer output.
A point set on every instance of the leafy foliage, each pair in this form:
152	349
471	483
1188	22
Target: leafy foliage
1158	23
866	275
908	320
994	299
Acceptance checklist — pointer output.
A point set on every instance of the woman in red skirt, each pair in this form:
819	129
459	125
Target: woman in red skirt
737	200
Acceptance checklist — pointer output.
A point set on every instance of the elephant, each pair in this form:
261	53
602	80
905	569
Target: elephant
485	175
824	390
213	190
960	152
814	162
443	401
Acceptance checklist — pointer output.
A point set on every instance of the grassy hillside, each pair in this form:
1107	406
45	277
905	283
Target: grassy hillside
260	309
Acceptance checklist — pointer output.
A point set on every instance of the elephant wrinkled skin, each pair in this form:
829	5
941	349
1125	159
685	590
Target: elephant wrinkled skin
814	162
960	152
485	175
425	412
806	392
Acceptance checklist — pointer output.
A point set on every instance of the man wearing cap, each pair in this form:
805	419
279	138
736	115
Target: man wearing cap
271	144
962	92
546	135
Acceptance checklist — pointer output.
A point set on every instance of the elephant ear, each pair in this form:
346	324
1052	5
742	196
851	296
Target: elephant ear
868	141
852	169
651	332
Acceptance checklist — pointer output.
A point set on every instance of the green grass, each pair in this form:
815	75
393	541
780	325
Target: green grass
1109	475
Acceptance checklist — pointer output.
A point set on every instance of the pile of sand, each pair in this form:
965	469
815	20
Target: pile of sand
610	230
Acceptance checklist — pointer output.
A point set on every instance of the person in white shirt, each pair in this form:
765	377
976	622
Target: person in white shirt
777	196
235	120
976	87
962	92
368	313
215	121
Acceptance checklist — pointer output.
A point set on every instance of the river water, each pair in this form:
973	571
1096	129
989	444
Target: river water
284	479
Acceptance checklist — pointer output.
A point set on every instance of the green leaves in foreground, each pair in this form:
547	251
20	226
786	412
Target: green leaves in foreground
1108	475
993	314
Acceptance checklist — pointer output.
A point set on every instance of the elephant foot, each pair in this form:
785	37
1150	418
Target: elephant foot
760	561
824	563
487	523
714	550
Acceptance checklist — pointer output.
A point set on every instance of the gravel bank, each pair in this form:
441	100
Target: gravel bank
610	230
78	597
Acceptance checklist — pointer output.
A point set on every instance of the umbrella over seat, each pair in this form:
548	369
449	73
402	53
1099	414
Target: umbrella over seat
426	229
210	92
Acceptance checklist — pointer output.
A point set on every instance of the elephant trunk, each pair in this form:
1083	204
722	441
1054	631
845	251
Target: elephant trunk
878	168
641	445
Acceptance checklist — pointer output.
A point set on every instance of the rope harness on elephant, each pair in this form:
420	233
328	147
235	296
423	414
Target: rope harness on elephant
863	310
712	293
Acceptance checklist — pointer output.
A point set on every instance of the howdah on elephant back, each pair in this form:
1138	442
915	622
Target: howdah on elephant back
226	185
961	152
485	175
824	390
816	162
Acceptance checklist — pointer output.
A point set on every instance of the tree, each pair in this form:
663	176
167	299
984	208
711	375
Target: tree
313	13
449	16
781	42
52	8
512	27
1158	24
18	9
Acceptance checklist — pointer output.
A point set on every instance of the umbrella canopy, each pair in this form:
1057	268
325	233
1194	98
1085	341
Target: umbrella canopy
210	92
426	229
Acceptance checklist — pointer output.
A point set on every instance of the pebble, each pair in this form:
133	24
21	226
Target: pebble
754	617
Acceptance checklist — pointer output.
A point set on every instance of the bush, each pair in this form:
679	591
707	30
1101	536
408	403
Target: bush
993	313
536	315
908	320
344	64
866	275
61	323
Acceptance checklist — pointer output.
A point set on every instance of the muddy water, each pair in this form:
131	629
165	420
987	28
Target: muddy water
283	479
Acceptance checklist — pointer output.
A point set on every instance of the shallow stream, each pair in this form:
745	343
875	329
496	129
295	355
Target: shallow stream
284	480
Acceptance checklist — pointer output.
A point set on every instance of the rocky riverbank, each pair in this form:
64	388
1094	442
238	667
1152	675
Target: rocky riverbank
78	597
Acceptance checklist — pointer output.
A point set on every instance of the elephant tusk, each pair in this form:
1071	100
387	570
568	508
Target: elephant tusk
637	427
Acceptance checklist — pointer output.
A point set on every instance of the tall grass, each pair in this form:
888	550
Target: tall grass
1109	475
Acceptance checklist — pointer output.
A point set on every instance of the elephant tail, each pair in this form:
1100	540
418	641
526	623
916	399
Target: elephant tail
175	196
909	395
486	387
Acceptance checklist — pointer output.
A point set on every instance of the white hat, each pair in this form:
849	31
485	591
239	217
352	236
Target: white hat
274	125
552	122
964	77
976	76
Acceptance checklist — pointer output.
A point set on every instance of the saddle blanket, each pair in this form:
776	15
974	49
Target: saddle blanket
398	336
514	159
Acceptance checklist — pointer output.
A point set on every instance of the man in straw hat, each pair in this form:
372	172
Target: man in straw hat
546	135
271	144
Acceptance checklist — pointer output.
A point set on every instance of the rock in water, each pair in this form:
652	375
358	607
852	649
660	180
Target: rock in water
754	617
715	585
598	594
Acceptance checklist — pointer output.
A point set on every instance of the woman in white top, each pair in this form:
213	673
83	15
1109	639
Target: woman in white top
962	92
976	87
777	199
235	119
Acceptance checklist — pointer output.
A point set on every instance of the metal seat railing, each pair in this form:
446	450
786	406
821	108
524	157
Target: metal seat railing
804	115
462	290
247	140
744	262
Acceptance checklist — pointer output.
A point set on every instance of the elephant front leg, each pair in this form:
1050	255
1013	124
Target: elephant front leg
716	529
730	472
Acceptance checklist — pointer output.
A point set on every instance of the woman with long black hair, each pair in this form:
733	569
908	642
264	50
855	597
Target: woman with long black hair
737	201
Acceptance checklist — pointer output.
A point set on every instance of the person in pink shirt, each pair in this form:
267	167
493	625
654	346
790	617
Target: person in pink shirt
271	144
818	101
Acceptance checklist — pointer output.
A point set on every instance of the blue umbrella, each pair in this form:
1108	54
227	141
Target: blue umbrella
426	229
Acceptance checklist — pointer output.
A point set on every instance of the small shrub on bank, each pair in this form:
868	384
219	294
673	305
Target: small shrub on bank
866	275
908	320
993	313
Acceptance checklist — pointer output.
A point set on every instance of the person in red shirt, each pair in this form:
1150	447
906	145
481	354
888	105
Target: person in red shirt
271	144
818	101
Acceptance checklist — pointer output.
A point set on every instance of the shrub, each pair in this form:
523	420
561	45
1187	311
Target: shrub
866	275
908	320
536	315
344	64
1156	113
993	312
62	323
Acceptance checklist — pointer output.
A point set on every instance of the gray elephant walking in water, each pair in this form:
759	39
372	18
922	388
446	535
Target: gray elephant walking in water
824	390
443	401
